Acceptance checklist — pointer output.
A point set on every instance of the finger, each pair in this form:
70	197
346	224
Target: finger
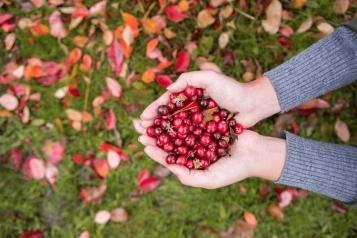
138	127
147	141
146	123
150	112
198	79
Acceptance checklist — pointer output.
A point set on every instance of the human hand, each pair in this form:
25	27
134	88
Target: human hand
253	101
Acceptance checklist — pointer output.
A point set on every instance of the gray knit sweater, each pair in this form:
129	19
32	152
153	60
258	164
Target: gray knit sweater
324	168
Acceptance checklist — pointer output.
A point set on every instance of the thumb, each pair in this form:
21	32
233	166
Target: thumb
198	79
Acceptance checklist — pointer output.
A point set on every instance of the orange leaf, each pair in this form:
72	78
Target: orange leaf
132	22
150	26
119	32
250	219
165	64
184	5
127	50
39	29
33	71
75	55
80	41
151	46
86	63
101	167
276	212
162	4
148	76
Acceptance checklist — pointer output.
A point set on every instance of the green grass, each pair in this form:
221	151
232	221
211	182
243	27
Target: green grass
172	210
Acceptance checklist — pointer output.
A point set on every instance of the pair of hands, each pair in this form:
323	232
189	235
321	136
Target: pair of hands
251	155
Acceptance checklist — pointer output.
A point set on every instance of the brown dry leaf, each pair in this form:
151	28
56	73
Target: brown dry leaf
204	19
314	103
210	66
305	26
80	41
119	215
169	34
216	3
226	12
341	6
273	21
5	114
299	3
250	219
276	212
240	229
10	41
281	123
208	114
342	130
325	28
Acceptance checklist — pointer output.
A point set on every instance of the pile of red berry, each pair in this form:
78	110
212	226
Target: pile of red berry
193	129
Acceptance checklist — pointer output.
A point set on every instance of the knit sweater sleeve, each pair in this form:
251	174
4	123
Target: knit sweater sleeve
326	65
329	169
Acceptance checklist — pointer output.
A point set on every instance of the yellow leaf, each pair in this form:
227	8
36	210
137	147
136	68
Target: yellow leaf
205	19
150	25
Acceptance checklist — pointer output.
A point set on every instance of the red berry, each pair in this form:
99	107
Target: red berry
182	115
199	92
190	91
205	139
204	103
172	134
190	140
187	121
216	118
211	103
238	129
222	144
232	122
191	154
284	42
157	121
178	142
201	151
177	122
172	97
183	129
211	155
223	114
221	152
197	118
171	106
164	138
171	159
204	163
189	164
163	110
159	143
168	147
212	146
182	150
191	128
181	160
150	131
165	124
222	126
211	126
158	131
197	131
181	136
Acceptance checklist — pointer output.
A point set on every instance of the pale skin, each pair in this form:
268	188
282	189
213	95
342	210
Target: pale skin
252	155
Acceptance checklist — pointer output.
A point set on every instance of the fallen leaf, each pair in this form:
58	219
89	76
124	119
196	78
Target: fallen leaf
98	8
216	3
148	76
223	40
276	212
339	208
51	173
53	151
119	215
33	168
151	46
84	234
182	61
169	34
163	80
100	167
74	56
299	3
144	174
93	194
110	121
342	130
305	26
174	14
115	57
161	171
5	18
39	29
102	217
341	6
273	13
74	91
131	21
73	114
205	19
150	25
32	234
113	159
114	87
56	25
315	103
240	229
9	102
149	184
286	31
250	219
285	198
17	158
226	12
107	147
10	41
38	3
325	28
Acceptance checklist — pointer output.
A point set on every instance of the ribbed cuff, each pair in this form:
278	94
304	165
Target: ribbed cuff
324	168
326	65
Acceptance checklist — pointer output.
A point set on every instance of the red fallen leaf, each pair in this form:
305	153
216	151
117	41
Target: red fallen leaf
294	127
114	87
32	234
151	46
144	174
338	207
80	12
52	72
93	194
107	147
149	184
86	63
74	56
8	27
5	17
286	31
115	56
111	120
54	151
163	80
16	158
73	91
98	8
182	62
33	168
39	29
100	167
78	159
174	14
57	28
38	3
132	22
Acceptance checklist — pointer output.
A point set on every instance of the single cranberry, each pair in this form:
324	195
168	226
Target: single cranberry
163	110
191	128
172	134
204	103
223	144
164	138
197	131
197	118
238	129
157	121
205	139
190	91
212	146
158	131
187	121
223	114
284	42
189	164
173	97
211	126
211	155
191	154
150	131
171	159
195	109
190	140
222	126
181	160
221	152
181	136
177	122
183	129
182	150
182	115
168	147
201	151
232	122
165	124
211	103
216	118
204	163
159	143
171	106
199	92
178	142
216	136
